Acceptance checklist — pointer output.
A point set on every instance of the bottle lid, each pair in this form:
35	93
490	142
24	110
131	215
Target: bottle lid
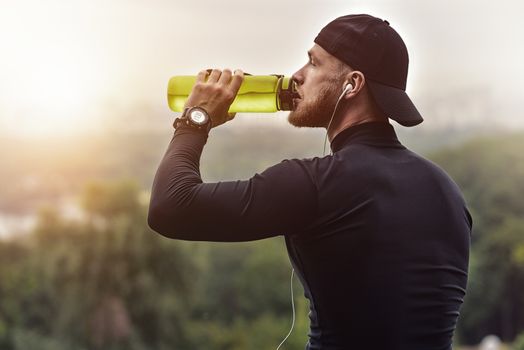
286	92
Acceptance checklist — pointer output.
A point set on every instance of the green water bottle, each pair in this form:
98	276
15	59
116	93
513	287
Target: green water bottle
257	94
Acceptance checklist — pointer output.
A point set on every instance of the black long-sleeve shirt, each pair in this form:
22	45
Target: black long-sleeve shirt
378	235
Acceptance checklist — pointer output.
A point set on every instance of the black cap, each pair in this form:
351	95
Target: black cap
370	45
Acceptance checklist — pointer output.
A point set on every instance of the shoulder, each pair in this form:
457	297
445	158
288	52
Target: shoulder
434	173
311	166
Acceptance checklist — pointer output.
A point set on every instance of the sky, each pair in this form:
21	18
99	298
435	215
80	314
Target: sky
66	66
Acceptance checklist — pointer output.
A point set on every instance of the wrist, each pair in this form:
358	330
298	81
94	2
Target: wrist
196	118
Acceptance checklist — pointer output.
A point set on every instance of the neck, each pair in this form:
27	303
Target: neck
359	110
352	119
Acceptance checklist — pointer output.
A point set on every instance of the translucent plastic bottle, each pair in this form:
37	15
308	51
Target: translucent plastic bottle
258	93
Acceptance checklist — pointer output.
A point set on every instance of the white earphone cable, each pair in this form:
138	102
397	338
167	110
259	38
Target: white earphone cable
293	308
293	270
327	129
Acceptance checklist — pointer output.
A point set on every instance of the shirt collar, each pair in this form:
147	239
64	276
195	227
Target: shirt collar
378	134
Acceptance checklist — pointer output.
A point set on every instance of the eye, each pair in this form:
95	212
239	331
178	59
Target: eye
310	59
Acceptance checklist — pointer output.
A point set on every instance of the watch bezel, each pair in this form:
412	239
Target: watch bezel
185	119
201	110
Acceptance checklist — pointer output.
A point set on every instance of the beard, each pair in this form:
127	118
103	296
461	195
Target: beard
317	112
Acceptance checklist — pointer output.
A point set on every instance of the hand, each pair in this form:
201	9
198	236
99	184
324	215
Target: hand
216	94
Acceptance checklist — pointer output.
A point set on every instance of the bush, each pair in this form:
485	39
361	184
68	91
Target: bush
519	342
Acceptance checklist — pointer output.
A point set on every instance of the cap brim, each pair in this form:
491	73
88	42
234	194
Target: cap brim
395	103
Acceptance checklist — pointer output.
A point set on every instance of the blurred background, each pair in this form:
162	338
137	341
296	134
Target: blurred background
84	123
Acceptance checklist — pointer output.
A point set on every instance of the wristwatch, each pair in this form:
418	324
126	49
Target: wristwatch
195	117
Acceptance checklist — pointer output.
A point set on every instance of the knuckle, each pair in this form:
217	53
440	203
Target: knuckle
239	78
198	86
229	95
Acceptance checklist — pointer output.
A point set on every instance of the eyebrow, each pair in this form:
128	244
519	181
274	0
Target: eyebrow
311	56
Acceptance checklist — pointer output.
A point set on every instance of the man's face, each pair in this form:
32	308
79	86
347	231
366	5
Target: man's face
319	83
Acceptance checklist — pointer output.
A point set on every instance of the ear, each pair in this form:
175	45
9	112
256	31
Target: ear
357	80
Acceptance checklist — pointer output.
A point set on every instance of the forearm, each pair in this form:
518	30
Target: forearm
175	180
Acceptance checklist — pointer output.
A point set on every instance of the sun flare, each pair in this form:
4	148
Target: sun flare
53	92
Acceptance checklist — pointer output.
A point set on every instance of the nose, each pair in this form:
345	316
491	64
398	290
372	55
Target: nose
297	77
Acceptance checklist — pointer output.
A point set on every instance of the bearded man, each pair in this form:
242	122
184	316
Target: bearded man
378	235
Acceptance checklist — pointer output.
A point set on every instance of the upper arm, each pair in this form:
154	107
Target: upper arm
282	199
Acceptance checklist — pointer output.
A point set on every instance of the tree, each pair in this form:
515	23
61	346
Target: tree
490	173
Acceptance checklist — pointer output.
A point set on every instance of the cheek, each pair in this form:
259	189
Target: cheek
316	86
317	78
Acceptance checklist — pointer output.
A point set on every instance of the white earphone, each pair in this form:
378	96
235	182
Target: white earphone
348	88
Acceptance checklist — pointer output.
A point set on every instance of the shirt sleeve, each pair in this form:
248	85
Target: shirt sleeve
280	200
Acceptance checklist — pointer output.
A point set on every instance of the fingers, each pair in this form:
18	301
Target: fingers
213	77
236	81
225	77
201	76
222	77
216	90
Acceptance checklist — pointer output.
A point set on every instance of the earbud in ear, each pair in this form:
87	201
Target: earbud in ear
348	88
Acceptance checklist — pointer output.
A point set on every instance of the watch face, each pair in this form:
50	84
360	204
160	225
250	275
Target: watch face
198	117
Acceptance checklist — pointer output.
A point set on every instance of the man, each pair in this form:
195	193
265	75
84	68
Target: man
378	235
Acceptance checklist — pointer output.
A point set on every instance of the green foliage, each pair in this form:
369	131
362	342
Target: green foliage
496	282
108	282
108	200
96	284
519	342
490	172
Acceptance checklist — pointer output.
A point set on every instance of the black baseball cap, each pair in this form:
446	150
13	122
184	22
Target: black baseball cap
370	45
